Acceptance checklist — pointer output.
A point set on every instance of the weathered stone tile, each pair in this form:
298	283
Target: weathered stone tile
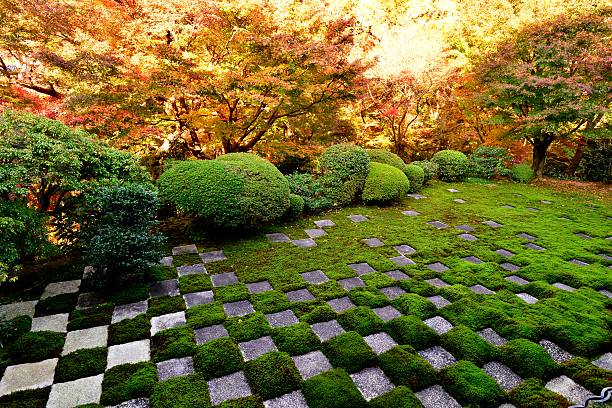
213	256
585	236
555	352
278	237
324	223
606	257
564	287
165	288
167	321
437	267
416	196
465	227
191	269
304	243
438	324
293	399
198	298
438	357
578	262
133	352
517	279
206	334
452	190
350	283
134	403
566	387
492	224
532	209
89	299
361	268
13	310
527	298
404	249
341	304
85	339
373	242
397	275
28	376
78	392
311	364
504	252
315	277
59	288
259	287
282	319
327	330
411	213
240	308
252	349
223	279
176	367
372	382
534	247
380	342
510	266
129	311
508	206
392	292
472	259
166	261
526	236
54	323
505	377
439	301
402	260
300	295
479	289
546	202
605	361
606	293
436	397
492	337
460	201
229	387
438	224
184	249
467	237
315	232
357	218
387	313
439	283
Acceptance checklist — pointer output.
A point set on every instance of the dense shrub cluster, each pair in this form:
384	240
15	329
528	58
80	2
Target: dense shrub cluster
344	169
384	184
235	190
521	173
306	186
430	169
453	165
488	161
386	157
416	177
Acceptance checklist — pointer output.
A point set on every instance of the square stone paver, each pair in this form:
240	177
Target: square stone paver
505	377
436	397
28	376
472	259
252	349
392	292
438	357
606	257
315	277
59	288
508	206
404	249
213	256
223	279
133	352
325	223
402	260
85	339
300	295
481	290
585	236
315	232
492	224
165	288
177	367
504	252
397	275
311	364
605	362
304	243
373	242
89	299
606	293
527	298
555	352
437	267
437	282
341	304
293	399
184	249
510	266
78	392
54	323
439	301
532	209
465	227
492	337
387	313
526	236
282	319
278	237
357	218
546	201
534	247
578	262
206	334
517	279
191	269
229	387
411	213
416	196
460	201
129	311
564	287
327	330
380	342
438	224
467	237
452	190
13	310
372	382
438	324
350	283
167	321
240	308
166	261
198	298
259	287
361	268
566	387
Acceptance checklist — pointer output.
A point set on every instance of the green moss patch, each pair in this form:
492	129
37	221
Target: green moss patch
165	304
81	364
56	304
272	375
332	389
532	394
405	367
128	381
470	385
411	330
205	315
173	343
231	293
349	351
362	320
36	346
181	392
399	397
413	304
129	330
218	358
527	359
131	294
296	339
271	301
100	315
465	344
194	283
247	328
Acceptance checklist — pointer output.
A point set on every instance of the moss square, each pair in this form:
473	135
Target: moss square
528	359
253	401
194	283
270	301
464	344
248	327
411	330
400	397
332	389
531	393
173	343
405	367
129	330
218	358
319	314
327	290
368	296
36	346
349	351
296	339
100	315
56	304
131	294
81	364
231	293
161	273
128	381
413	304
186	259
205	315
272	375
181	392
165	304
362	320
471	386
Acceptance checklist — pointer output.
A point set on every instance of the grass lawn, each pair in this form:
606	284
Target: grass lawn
518	311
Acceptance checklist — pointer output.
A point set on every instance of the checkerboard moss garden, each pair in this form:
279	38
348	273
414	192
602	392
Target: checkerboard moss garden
421	318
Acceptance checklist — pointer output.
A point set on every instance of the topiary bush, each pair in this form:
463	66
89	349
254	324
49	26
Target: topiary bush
521	173
237	190
296	205
416	177
386	157
309	188
453	165
430	169
344	169
384	184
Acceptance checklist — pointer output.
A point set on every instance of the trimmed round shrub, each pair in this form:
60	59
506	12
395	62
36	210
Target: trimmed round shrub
309	188
296	205
453	165
386	157
521	173
235	190
430	169
344	168
416	176
384	184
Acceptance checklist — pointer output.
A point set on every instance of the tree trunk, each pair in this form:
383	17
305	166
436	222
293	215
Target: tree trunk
540	146
571	170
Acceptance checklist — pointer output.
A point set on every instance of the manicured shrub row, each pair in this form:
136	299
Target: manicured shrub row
453	165
430	170
344	169
386	157
416	177
384	184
